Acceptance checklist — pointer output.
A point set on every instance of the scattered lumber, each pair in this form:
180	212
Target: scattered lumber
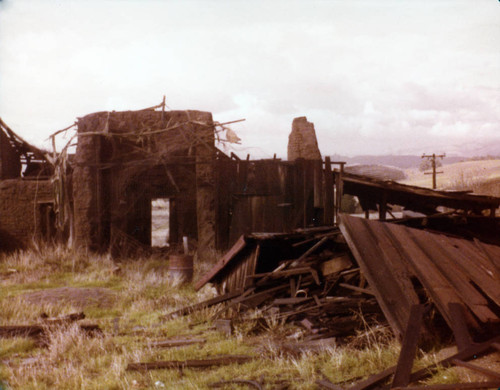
307	277
472	351
201	305
39	331
326	384
198	363
247	382
455	386
62	319
175	343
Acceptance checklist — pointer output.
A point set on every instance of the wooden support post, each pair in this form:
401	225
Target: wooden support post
459	326
163	109
318	185
409	347
329	201
339	191
382	207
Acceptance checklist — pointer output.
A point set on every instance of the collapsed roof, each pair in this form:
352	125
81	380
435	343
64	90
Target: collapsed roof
372	192
403	267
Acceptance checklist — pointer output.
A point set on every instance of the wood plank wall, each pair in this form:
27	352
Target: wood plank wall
270	196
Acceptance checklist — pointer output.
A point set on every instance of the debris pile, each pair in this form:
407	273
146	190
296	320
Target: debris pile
307	278
332	281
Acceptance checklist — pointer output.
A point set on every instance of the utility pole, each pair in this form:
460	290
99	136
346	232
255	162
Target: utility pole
432	158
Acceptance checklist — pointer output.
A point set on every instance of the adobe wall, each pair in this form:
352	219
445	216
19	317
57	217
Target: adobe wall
111	170
10	165
20	216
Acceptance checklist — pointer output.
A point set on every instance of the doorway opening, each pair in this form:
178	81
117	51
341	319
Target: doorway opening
160	222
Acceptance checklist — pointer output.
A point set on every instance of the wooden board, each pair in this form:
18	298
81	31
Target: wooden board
451	270
382	266
237	248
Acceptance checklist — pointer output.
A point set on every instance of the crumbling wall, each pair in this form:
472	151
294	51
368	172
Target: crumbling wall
114	176
22	211
302	142
10	164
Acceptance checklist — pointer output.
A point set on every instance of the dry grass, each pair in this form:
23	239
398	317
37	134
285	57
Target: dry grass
143	294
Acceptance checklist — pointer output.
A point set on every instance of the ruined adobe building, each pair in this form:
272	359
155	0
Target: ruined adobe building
126	159
26	192
101	197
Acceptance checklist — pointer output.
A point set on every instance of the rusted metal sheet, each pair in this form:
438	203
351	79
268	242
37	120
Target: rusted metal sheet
451	270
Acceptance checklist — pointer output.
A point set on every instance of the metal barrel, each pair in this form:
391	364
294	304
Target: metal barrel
181	267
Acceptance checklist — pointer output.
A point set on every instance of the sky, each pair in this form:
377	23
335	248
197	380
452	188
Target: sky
375	77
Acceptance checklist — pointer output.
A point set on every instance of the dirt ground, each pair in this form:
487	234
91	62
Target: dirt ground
77	297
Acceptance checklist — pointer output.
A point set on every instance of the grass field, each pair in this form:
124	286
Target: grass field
482	176
136	294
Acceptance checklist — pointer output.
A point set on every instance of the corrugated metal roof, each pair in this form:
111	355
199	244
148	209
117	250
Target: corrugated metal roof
451	270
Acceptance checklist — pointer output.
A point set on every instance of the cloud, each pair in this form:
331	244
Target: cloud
373	77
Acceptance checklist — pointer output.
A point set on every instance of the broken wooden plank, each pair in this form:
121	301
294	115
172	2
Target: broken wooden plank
409	347
328	210
291	301
434	256
373	380
175	343
63	319
459	326
357	289
473	367
281	274
474	350
310	251
455	386
383	268
487	251
469	352
40	330
326	384
482	272
201	305
247	382
21	330
195	363
335	265
416	254
228	256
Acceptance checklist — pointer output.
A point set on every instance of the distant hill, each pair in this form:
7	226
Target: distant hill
480	176
402	162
